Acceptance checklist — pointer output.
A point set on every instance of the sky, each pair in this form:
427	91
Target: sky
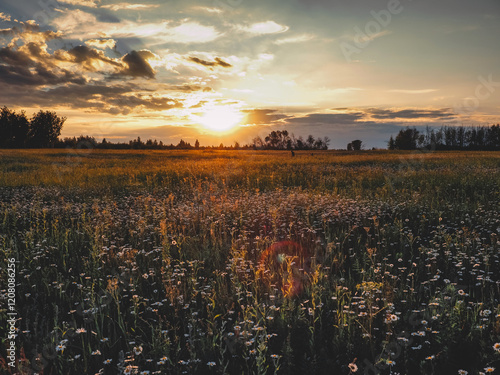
230	70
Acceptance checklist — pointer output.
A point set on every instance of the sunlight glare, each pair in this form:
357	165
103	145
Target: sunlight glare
220	118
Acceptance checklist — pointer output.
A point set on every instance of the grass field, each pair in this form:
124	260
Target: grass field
252	262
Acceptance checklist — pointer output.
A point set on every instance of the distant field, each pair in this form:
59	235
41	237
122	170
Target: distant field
252	262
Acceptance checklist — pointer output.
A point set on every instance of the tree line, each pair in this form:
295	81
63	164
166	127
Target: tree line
40	131
89	142
485	138
282	140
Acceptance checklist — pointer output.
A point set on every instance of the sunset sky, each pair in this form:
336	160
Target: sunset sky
226	70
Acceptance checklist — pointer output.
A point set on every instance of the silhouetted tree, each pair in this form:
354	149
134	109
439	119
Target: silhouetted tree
257	143
407	139
183	145
281	140
391	144
449	138
45	128
14	128
354	145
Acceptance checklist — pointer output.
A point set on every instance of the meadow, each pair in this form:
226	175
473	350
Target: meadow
252	262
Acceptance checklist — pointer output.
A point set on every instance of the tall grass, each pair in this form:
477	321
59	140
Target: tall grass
238	262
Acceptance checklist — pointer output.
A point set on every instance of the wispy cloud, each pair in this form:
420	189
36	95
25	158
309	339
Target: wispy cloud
85	3
206	9
128	6
83	25
218	62
295	39
267	27
422	91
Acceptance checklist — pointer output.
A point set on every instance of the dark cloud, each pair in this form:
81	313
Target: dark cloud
107	17
40	75
31	74
119	99
262	116
366	116
137	64
11	56
29	66
187	87
116	99
218	62
442	114
86	56
327	118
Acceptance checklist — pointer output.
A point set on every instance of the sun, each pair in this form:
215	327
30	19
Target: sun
220	118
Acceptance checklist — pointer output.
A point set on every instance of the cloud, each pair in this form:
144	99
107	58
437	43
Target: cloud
117	99
122	6
218	62
261	116
37	75
85	3
25	61
86	57
295	39
207	9
188	88
11	56
28	31
190	32
423	91
371	116
101	43
137	64
442	114
267	27
4	17
78	24
327	118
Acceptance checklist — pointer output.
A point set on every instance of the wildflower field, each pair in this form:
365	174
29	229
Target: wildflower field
251	262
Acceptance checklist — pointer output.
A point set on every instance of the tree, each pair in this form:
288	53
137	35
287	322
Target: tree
183	145
355	145
14	128
391	145
326	142
45	128
407	139
257	143
310	142
197	144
